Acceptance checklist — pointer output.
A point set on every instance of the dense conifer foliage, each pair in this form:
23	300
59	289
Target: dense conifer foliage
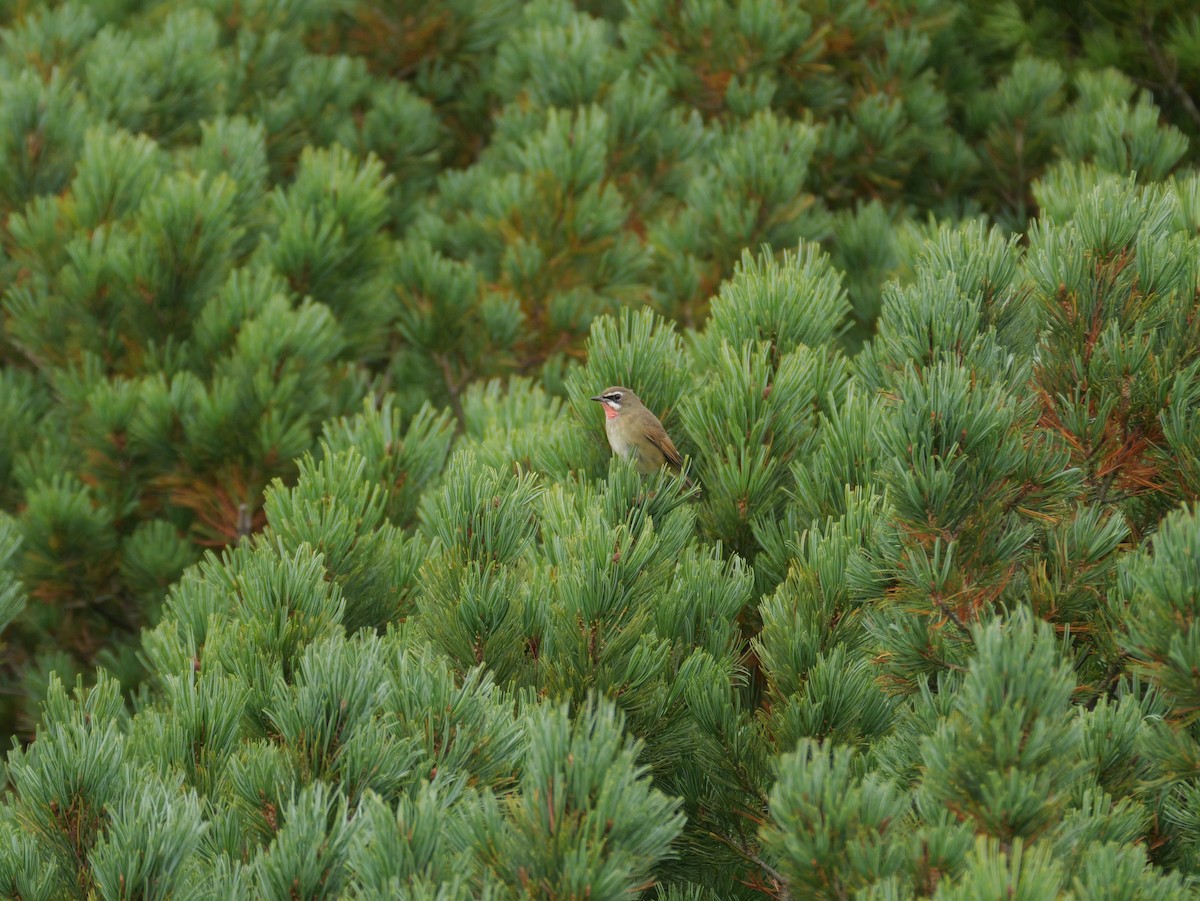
318	578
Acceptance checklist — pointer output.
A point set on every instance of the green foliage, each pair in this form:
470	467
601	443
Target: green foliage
151	837
302	487
832	832
43	128
12	599
1117	335
162	84
1011	721
584	823
1163	634
72	778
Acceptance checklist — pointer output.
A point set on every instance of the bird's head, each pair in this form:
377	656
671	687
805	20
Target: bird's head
617	400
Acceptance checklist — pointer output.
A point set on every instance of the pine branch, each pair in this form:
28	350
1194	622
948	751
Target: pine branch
779	890
453	387
1169	72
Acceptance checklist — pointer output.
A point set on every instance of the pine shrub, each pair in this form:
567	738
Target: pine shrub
318	578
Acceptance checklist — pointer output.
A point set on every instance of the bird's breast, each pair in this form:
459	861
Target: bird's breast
616	438
634	451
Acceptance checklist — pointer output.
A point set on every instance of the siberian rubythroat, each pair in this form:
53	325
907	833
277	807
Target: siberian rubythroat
635	433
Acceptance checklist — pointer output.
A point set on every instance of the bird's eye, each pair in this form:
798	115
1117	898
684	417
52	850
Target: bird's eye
614	396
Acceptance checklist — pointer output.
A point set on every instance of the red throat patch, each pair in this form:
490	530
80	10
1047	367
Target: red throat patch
609	412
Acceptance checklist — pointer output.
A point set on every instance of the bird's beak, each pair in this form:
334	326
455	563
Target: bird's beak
599	398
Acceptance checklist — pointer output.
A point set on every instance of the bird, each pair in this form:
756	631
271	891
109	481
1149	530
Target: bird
635	433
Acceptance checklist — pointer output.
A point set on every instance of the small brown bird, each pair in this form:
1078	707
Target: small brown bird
635	433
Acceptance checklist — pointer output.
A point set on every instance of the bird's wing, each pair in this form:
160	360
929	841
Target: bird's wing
660	439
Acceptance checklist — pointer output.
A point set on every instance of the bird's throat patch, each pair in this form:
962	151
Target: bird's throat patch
609	412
